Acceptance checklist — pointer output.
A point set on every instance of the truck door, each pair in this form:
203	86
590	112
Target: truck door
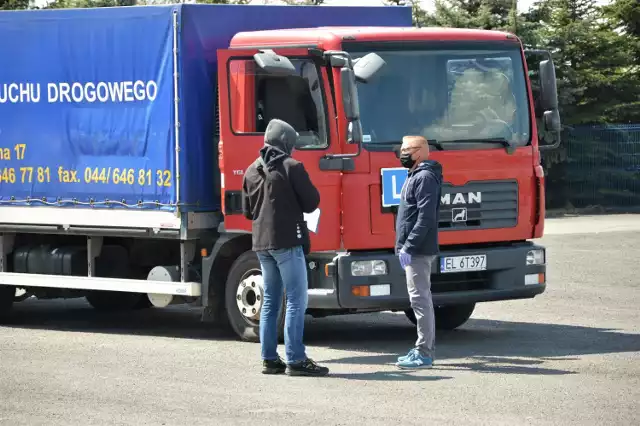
249	98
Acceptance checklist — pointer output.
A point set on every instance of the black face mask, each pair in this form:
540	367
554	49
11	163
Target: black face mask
406	161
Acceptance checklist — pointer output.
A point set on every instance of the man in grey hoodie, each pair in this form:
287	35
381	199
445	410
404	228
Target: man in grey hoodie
276	192
417	242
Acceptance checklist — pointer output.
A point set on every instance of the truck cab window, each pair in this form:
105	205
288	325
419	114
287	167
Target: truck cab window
448	94
257	98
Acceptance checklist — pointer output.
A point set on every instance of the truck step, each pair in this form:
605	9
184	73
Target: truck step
100	283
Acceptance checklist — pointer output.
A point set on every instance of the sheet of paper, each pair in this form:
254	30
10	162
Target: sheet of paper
312	220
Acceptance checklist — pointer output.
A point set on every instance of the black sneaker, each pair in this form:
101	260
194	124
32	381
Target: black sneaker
306	368
274	366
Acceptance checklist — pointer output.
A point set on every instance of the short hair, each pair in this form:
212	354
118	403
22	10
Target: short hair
416	138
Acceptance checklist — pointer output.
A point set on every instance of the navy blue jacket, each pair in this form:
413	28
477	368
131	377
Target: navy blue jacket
417	222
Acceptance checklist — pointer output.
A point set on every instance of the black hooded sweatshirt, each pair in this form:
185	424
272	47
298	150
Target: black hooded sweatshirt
277	190
417	222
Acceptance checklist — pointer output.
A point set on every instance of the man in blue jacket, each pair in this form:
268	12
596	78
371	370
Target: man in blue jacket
417	242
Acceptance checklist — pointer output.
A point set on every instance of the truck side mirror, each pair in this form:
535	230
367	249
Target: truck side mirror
549	103
367	67
548	86
549	133
349	94
354	132
274	64
351	105
551	121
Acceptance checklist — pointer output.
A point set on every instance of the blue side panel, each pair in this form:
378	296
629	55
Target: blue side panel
86	108
207	28
87	100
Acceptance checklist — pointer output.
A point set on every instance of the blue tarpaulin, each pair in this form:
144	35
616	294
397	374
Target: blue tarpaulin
87	100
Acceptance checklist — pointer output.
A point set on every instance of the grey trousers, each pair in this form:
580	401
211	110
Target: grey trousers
419	286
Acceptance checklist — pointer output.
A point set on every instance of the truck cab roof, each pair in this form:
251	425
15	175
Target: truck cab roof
331	37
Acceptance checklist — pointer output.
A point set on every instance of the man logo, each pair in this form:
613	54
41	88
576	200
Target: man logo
459	214
461	198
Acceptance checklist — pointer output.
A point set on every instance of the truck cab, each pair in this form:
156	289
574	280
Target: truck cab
466	91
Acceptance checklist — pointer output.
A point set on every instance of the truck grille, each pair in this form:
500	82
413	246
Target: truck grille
479	205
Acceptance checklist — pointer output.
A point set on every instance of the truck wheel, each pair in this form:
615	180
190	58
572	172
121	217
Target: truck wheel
244	295
447	317
111	301
7	295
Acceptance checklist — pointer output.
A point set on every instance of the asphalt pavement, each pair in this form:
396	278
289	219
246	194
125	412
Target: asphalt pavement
568	357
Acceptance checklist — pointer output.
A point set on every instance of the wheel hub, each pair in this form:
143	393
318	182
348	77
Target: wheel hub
250	296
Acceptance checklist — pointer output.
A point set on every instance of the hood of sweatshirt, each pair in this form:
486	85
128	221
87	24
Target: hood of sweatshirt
279	140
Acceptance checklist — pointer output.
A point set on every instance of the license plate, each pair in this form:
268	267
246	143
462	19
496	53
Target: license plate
476	262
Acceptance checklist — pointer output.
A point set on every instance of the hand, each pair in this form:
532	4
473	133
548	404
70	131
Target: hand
405	259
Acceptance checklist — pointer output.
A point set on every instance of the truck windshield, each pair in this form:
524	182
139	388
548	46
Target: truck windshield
452	93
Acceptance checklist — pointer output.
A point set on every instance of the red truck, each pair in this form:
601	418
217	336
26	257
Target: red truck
97	221
467	91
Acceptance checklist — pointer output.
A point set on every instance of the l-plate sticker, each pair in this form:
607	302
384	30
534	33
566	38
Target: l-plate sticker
392	181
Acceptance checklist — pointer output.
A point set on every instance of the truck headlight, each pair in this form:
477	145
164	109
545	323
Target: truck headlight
365	268
535	257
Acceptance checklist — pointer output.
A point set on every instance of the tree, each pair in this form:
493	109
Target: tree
304	2
420	16
596	81
65	4
627	13
624	15
483	14
213	1
592	62
223	1
531	22
14	4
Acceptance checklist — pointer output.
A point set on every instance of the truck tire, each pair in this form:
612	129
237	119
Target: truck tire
447	317
244	296
112	301
7	295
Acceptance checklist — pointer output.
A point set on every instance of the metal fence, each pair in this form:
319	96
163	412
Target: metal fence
595	166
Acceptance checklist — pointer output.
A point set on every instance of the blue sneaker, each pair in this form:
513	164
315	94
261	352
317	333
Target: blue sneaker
407	356
415	361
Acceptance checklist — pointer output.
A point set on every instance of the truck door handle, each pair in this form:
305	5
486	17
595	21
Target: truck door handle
337	164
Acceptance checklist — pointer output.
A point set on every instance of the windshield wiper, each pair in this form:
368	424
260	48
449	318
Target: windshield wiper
435	143
502	141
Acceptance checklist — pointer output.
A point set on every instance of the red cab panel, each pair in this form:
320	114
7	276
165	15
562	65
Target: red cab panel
248	97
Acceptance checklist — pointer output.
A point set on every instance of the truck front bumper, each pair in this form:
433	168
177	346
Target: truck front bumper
508	275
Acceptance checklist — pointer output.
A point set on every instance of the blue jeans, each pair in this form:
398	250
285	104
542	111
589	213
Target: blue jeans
283	269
